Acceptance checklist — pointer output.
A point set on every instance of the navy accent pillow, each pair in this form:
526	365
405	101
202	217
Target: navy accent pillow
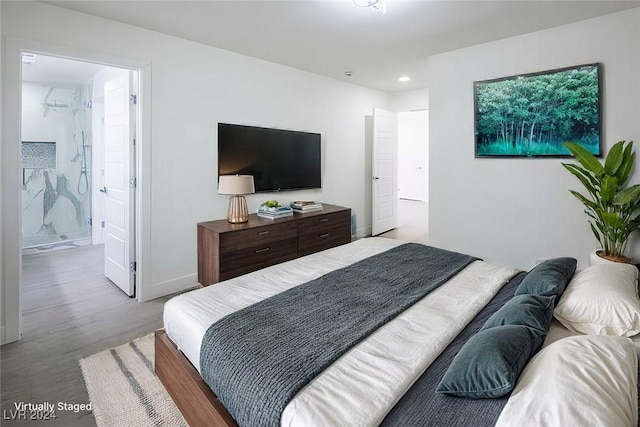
548	278
489	364
535	311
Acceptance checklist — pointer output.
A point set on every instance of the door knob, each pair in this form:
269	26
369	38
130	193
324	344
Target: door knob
375	178
103	190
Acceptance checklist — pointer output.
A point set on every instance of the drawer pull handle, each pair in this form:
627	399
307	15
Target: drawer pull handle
259	251
324	235
324	219
262	233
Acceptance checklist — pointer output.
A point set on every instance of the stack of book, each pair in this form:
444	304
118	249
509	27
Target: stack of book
302	206
273	213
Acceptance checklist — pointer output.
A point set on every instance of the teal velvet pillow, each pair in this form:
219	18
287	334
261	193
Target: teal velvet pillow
489	364
549	278
535	311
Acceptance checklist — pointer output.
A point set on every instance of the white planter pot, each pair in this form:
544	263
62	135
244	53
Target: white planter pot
594	259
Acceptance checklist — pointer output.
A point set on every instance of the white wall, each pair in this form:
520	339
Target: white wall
193	88
514	211
410	100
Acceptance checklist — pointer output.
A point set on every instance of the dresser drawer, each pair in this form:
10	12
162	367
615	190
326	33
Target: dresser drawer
319	223
326	238
228	250
257	236
258	255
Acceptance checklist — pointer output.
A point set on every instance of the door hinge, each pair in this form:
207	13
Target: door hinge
133	183
132	266
102	224
134	99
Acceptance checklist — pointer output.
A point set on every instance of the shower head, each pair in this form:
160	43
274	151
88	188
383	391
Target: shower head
48	106
55	104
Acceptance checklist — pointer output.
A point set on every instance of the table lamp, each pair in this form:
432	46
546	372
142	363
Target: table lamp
236	186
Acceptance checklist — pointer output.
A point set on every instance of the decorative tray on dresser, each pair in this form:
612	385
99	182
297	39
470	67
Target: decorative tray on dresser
228	250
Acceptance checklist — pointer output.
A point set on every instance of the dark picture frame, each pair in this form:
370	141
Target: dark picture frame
533	115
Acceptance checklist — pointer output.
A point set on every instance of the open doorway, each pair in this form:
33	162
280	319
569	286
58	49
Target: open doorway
413	176
77	131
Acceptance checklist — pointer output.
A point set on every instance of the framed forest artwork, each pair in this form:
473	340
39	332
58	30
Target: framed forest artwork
533	115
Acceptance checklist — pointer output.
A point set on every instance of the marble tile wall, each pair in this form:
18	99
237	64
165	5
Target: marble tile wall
56	149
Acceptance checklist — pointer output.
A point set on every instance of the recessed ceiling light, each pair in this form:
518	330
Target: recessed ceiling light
348	73
404	79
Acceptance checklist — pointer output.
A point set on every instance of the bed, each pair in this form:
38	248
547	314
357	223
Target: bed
381	379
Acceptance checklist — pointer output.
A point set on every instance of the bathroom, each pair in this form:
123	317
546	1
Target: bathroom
62	144
64	138
56	157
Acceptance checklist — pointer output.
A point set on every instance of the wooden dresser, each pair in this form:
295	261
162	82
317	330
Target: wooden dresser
228	250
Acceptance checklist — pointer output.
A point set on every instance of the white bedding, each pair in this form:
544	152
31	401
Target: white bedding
584	380
361	386
557	331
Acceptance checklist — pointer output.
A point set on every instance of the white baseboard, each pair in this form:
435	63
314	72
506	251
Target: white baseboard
180	284
363	232
7	337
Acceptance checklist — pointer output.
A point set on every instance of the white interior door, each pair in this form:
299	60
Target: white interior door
413	155
385	172
118	174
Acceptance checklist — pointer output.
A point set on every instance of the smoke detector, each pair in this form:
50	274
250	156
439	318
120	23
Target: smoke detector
28	58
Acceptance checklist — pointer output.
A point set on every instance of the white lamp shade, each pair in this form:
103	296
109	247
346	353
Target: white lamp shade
236	184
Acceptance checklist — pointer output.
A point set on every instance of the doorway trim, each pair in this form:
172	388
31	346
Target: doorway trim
10	196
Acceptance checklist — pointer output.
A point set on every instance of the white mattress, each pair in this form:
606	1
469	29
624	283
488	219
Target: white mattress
361	386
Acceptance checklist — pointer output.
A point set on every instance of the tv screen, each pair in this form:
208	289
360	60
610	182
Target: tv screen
277	159
533	115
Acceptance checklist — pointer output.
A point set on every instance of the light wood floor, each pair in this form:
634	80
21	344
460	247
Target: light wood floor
70	311
413	220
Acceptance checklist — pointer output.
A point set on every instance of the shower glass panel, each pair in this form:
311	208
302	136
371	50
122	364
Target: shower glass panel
56	154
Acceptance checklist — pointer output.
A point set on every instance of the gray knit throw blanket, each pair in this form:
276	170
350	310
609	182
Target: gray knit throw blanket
256	359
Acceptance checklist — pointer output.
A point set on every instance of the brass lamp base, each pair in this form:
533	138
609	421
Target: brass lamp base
238	212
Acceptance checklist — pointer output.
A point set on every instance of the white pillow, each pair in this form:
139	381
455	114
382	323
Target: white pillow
602	300
585	380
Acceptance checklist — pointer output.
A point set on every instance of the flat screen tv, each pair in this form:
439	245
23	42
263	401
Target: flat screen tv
533	115
278	159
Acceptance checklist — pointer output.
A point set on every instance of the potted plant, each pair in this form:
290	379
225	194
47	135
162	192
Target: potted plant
611	204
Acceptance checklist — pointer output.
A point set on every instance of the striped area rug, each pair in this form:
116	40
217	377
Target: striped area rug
124	390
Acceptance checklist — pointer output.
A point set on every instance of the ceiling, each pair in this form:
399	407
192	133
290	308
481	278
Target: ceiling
58	72
330	37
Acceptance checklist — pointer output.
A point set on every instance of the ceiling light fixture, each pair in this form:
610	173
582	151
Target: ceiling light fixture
378	5
348	73
404	79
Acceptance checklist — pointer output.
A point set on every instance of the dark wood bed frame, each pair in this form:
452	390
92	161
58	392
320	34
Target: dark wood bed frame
199	406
